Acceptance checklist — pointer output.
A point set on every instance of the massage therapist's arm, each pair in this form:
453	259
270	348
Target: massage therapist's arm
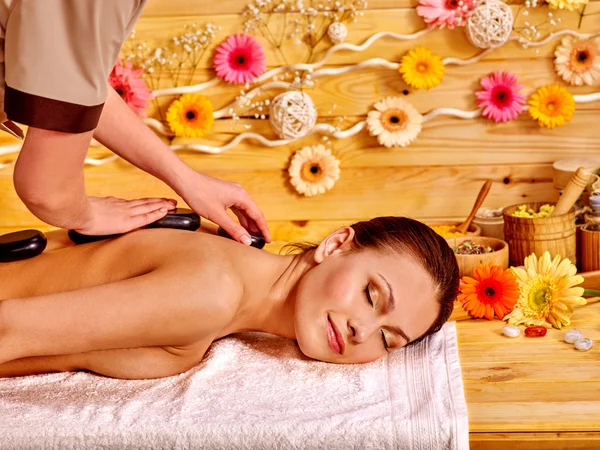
49	179
125	134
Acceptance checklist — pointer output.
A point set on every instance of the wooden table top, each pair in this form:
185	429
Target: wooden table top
531	393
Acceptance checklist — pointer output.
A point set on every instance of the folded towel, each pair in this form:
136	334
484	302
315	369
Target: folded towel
251	391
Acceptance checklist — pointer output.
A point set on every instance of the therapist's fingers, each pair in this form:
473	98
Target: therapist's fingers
171	202
234	229
148	207
253	216
249	226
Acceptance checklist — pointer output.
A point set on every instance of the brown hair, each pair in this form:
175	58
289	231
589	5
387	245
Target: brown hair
416	239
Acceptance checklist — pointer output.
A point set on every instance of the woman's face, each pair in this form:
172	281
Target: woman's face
354	307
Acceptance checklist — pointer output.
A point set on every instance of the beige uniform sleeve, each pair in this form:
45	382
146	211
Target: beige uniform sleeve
58	55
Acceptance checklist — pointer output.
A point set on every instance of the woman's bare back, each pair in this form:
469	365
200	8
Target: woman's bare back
66	266
139	306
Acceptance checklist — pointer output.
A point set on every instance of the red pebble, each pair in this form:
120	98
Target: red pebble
535	331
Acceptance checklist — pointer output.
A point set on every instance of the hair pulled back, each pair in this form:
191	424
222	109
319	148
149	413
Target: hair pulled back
415	239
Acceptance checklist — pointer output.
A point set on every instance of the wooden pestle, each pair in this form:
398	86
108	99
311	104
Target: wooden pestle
464	226
572	191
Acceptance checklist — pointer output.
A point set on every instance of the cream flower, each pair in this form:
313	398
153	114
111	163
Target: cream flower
578	61
547	292
395	122
313	170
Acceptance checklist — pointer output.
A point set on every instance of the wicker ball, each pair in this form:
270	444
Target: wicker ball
337	32
292	114
490	24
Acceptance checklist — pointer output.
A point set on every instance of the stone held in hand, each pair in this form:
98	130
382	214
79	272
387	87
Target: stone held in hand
510	331
583	344
535	331
572	335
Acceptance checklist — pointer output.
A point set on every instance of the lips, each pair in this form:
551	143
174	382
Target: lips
336	341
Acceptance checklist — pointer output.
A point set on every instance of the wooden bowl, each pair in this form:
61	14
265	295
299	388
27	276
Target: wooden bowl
467	263
474	229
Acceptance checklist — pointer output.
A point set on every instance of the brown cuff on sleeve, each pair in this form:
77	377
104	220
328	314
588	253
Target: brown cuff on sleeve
49	114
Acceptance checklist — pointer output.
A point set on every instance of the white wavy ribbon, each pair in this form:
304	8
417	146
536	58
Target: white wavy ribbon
298	67
352	131
370	63
451	112
322	128
380	62
16	148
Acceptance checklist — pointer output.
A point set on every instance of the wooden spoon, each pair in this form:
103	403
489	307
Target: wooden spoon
463	227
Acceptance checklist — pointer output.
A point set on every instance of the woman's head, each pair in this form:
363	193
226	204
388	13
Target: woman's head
382	283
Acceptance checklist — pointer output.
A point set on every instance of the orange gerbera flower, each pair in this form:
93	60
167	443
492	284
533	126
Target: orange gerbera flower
491	291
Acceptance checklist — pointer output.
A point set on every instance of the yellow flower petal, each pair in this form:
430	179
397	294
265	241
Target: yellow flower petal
551	106
547	291
190	116
422	69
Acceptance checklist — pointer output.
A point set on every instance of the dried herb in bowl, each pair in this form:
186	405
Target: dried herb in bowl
468	247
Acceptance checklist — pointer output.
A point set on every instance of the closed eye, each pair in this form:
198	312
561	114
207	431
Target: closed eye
385	344
368	295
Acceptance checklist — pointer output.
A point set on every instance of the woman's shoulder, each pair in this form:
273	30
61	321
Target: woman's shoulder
203	260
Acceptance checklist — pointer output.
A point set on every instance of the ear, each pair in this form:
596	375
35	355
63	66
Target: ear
336	242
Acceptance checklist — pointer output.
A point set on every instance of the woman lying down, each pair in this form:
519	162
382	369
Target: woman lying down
150	303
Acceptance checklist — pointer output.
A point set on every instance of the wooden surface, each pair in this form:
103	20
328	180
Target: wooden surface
532	393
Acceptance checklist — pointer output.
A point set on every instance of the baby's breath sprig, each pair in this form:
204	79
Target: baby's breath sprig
304	21
174	63
528	32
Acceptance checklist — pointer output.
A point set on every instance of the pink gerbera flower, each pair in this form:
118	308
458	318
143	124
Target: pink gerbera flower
130	85
240	59
500	99
446	13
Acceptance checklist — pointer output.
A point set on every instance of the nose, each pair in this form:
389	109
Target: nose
359	332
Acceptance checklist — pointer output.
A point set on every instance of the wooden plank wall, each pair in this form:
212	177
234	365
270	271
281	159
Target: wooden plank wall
438	175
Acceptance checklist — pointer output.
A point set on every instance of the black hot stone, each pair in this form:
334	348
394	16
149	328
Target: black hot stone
180	218
79	238
21	245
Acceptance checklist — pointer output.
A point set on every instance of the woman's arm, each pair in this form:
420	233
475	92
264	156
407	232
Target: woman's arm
169	306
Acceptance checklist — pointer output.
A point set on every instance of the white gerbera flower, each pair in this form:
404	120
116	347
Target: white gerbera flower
314	170
578	61
395	122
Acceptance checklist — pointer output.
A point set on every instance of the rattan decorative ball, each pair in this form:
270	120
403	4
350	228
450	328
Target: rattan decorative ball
292	114
490	24
337	32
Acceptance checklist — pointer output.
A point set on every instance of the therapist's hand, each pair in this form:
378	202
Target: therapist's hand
211	198
112	215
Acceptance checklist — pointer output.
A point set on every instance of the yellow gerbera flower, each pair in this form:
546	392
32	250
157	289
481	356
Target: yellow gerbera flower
547	292
420	68
190	116
569	5
552	106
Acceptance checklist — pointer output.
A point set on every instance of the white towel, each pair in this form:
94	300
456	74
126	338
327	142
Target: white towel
251	391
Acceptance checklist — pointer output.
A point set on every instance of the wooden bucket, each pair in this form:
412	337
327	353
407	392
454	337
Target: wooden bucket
590	247
526	235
